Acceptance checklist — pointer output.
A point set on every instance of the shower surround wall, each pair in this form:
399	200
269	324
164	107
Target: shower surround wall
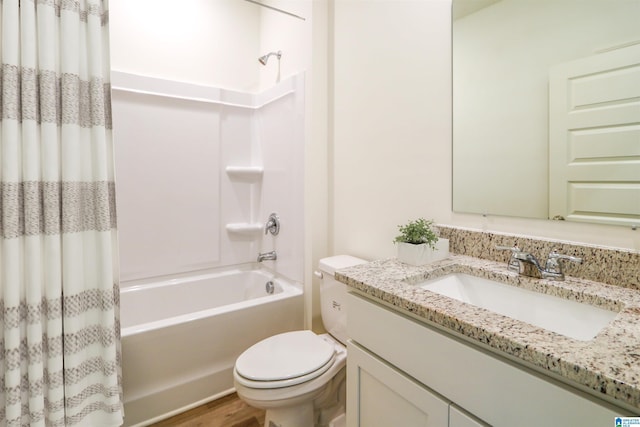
179	208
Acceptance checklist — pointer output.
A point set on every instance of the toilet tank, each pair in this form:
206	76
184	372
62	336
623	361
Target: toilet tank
333	295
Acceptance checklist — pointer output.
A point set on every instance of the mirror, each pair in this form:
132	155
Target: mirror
546	109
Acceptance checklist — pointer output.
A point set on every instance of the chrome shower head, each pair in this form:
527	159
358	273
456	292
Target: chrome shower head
263	59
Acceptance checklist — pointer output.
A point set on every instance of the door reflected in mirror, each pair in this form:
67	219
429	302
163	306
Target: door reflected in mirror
546	109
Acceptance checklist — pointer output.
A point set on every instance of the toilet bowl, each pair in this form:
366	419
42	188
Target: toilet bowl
306	382
298	377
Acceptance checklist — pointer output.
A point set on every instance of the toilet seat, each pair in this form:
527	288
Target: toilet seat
285	360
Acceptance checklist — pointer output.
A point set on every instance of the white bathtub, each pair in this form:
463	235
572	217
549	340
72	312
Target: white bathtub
181	337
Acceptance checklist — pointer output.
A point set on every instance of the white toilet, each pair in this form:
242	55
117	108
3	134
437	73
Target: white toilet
299	377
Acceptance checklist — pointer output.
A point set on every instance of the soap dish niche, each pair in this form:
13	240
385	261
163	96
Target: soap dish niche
245	173
245	228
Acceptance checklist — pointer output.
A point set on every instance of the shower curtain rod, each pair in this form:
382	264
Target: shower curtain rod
276	9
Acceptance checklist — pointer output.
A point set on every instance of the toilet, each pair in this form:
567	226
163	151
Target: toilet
299	377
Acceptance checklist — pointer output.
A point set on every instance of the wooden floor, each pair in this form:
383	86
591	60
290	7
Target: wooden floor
228	411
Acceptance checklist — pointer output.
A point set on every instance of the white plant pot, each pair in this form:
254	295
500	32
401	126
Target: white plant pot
422	254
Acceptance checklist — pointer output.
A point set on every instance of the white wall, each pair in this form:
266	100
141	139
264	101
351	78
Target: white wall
209	42
317	201
392	121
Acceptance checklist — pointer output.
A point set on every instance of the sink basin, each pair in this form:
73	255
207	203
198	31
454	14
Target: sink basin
570	318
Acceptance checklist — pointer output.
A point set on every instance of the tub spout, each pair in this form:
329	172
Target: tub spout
267	256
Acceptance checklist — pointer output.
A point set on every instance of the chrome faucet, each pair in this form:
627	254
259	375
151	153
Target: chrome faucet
526	264
267	256
524	258
553	267
272	225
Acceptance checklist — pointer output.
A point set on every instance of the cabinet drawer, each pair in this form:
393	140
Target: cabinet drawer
492	389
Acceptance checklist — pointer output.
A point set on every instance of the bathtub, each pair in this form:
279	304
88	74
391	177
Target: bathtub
181	336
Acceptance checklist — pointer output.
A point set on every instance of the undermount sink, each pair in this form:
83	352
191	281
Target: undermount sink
570	318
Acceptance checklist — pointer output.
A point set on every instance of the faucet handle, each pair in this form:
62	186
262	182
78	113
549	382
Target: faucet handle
553	267
513	248
555	255
514	263
272	225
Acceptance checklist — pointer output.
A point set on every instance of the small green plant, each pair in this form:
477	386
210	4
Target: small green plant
417	232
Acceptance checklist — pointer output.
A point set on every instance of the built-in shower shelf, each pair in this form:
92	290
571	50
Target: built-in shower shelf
245	173
245	228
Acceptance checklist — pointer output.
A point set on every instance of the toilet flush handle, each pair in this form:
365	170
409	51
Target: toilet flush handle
318	274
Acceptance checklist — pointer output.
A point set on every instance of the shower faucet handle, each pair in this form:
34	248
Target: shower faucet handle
273	224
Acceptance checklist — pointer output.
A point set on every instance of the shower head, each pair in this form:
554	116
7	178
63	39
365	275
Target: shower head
263	59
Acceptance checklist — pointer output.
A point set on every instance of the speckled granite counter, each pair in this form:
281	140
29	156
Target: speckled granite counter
609	363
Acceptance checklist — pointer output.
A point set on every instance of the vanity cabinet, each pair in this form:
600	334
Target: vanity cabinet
381	396
402	371
386	397
458	418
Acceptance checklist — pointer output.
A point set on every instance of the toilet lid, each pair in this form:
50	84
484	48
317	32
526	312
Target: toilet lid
285	356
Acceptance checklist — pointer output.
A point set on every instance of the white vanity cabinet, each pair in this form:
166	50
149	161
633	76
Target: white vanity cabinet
380	395
403	372
458	418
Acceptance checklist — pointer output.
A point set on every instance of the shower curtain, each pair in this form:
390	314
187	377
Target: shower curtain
59	306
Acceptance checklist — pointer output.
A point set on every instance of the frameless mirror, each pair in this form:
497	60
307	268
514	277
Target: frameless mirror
546	109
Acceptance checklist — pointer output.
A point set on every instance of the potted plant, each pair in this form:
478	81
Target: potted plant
419	244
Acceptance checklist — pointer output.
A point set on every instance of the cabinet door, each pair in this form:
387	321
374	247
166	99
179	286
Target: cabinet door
381	396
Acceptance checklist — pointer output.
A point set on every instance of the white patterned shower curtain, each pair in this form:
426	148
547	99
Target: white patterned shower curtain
59	305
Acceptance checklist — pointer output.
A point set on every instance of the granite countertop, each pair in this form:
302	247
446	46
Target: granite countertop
608	364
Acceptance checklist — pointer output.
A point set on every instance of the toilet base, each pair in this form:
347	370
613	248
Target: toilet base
292	416
316	409
304	415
